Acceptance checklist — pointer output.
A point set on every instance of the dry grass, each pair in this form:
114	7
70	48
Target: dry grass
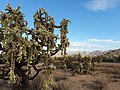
105	77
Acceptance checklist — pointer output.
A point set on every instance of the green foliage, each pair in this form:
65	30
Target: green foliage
20	52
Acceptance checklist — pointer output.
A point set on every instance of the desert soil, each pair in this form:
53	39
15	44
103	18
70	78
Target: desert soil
105	77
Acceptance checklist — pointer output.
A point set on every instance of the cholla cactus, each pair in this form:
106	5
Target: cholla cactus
85	64
21	53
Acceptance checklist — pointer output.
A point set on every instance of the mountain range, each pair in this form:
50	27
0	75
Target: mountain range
115	52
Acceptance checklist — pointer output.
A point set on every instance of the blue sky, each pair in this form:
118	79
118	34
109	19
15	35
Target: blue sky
95	24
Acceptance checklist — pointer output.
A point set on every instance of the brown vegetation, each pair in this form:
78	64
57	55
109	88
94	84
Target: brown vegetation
105	77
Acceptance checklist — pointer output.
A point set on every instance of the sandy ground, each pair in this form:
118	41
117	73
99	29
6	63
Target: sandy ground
105	77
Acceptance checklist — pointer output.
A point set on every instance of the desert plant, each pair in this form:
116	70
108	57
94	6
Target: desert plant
81	65
23	47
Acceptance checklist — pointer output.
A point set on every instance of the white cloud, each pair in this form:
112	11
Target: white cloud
94	44
79	44
102	5
104	41
84	46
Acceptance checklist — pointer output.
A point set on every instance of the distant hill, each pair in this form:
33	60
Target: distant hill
115	52
84	53
97	52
